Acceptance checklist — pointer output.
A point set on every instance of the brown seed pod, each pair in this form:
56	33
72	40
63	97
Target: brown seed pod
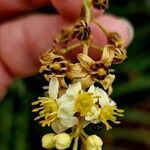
82	31
100	4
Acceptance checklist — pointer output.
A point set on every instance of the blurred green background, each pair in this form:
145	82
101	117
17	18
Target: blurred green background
18	131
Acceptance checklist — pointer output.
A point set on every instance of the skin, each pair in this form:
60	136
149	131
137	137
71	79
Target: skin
24	37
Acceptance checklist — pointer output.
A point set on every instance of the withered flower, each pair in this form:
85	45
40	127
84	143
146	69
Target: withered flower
78	74
113	55
115	39
100	4
96	71
64	36
75	71
82	31
114	52
54	65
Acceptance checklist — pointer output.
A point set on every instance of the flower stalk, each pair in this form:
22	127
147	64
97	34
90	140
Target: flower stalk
75	145
88	14
70	48
73	98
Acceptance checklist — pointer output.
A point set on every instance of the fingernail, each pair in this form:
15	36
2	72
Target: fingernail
130	29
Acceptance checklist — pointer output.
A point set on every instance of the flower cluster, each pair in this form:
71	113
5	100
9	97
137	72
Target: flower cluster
74	98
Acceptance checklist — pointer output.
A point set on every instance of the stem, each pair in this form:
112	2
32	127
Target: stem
88	13
69	48
87	6
85	49
96	47
84	134
101	27
75	146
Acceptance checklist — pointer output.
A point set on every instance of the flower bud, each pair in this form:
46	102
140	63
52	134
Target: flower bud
47	141
93	142
62	141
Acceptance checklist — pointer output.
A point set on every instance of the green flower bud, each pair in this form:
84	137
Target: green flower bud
62	141
47	141
93	142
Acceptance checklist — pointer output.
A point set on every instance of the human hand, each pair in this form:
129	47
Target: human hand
23	39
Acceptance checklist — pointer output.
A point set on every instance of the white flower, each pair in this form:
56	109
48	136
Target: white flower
75	100
47	105
66	110
53	88
93	115
104	99
65	118
52	110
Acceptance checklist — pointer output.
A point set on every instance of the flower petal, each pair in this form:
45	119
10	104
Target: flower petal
92	89
57	126
104	99
112	103
74	89
85	81
69	122
107	83
93	115
64	99
76	71
85	61
108	54
53	88
66	110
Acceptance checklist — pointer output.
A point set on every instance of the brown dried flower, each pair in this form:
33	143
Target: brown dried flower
96	71
64	36
78	74
115	39
113	55
100	4
81	31
54	65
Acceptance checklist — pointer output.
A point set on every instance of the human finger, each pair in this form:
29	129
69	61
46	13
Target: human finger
5	80
71	9
9	8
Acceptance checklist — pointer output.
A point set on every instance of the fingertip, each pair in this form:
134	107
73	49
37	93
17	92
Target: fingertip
69	9
130	30
5	81
120	25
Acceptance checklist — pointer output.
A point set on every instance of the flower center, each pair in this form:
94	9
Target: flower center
50	107
108	113
55	66
84	103
102	72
